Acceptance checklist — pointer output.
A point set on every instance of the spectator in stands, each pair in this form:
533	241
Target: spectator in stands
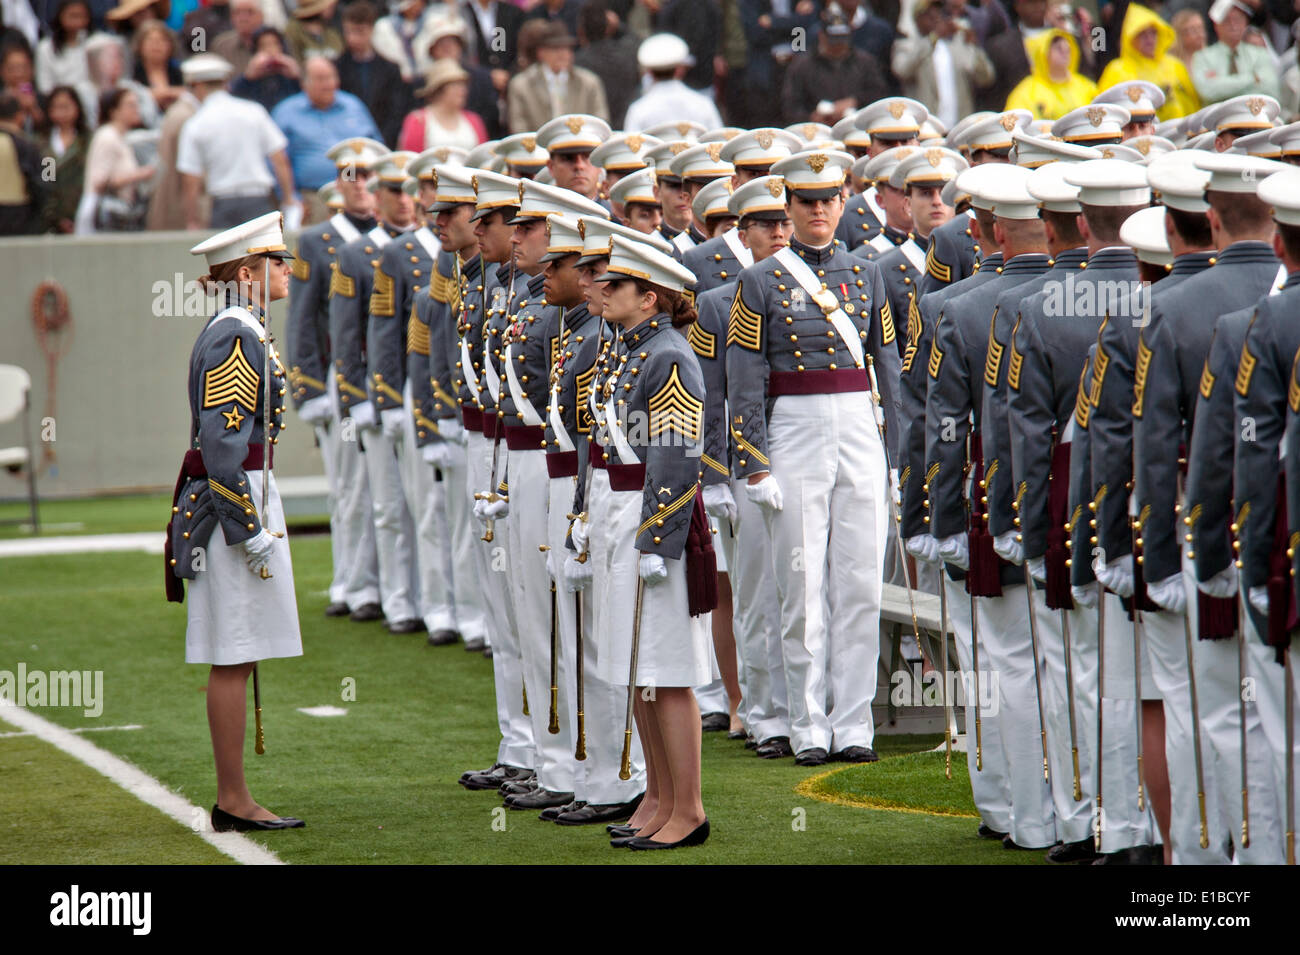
1189	35
443	119
553	86
1009	54
1144	55
370	77
205	24
271	75
314	120
110	201
61	56
834	81
225	148
20	174
700	21
124	18
663	56
311	33
66	141
493	37
235	45
941	65
19	23
106	66
769	27
870	32
1055	86
167	204
154	50
443	38
1239	62
16	79
564	12
609	51
395	36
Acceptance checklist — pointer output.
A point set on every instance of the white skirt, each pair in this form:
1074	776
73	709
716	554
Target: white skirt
234	615
674	648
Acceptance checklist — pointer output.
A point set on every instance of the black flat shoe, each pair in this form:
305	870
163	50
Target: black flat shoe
442	638
988	832
617	831
621	842
539	798
1085	850
737	734
694	838
715	722
337	609
366	613
475	644
223	821
406	626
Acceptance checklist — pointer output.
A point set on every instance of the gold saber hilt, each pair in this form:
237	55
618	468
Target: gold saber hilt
524	687
625	764
581	558
259	740
1078	785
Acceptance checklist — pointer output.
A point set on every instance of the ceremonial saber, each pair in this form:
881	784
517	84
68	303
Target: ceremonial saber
1241	715
1101	687
947	704
1137	693
1290	757
259	741
975	662
553	726
1069	695
1038	680
1196	732
625	766
580	752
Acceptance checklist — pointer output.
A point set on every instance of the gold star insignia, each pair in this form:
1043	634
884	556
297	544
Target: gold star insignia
233	418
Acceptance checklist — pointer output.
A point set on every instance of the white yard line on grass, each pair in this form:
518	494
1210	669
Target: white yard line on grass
139	784
80	729
150	542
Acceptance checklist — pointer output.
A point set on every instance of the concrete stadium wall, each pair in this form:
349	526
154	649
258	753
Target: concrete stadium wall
121	420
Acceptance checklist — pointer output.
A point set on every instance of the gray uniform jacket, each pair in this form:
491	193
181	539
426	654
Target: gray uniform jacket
713	263
953	254
775	327
1080	525
531	342
501	301
859	224
1291	463
469	331
1178	341
428	351
902	279
572	374
404	268
708	338
353	281
307	346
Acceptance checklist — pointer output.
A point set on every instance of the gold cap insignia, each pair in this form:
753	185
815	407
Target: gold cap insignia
1107	152
1134	93
529	143
1142	145
575	124
400	161
1008	121
1096	114
764	139
776	186
809	130
683	129
714	150
582	229
521	192
433	177
473	181
1255	104
357	145
903	152
678	148
897	108
934	156
633	142
817	162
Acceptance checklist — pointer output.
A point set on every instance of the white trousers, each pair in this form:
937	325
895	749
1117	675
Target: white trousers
1270	692
356	518
491	565
462	536
530	589
1073	816
828	545
327	438
394	529
990	787
424	501
1004	636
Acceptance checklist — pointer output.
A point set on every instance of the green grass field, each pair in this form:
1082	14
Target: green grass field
379	784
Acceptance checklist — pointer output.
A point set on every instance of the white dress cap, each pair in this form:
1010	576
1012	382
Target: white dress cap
763	197
1047	184
538	200
624	152
880	167
760	147
522	150
895	117
712	200
493	191
562	237
636	186
1230	172
596	235
1008	191
1178	183
1096	122
1248	112
1110	182
1144	232
703	161
994	132
677	129
573	133
815	171
636	259
928	166
1139	97
1033	150
357	152
261	236
1282	191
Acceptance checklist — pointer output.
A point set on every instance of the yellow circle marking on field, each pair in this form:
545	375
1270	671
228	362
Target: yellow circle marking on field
813	789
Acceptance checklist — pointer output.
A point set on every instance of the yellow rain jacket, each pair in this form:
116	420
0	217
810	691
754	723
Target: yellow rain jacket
1038	93
1165	70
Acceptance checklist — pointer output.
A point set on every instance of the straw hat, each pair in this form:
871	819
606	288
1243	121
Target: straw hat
440	74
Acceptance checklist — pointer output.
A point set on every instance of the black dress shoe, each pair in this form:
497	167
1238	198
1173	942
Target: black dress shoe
855	754
487	653
715	722
751	743
413	625
737	734
494	778
621	842
813	756
223	821
337	609
590	814
539	798
475	644
777	747
696	837
441	638
1085	850
550	812
617	831
1136	855
519	786
366	613
1009	843
497	768
988	832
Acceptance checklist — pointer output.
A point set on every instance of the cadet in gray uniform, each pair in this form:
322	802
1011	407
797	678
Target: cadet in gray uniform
891	122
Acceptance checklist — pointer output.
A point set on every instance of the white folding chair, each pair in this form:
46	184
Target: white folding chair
15	402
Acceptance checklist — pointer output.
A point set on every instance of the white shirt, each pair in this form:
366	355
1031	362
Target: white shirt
671	101
945	81
557	85
226	143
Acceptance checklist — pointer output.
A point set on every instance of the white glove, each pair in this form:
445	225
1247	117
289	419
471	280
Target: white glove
435	453
257	551
316	410
390	419
766	493
452	431
652	569
719	503
555	564
1169	594
479	514
955	550
893	488
579	533
291	209
1038	569
1259	599
1008	548
495	510
923	547
1117	575
1084	596
576	576
1222	584
364	415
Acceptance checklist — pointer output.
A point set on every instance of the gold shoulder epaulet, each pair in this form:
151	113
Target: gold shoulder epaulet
301	269
341	284
382	301
417	335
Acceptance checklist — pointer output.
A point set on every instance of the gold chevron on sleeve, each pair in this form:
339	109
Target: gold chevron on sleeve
230	495
704	343
941	272
341	284
1100	362
714	464
301	269
417	335
442	288
673	408
233	380
887	333
1141	366
582	382
744	325
913	320
555	354
1293	392
1082	408
993	355
748	448
384	388
382	299
1245	369
1016	361
689	295
296	378
936	354
1207	380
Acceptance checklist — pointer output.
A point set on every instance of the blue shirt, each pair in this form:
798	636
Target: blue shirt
312	131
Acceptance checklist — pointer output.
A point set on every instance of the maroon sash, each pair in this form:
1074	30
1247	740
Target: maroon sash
701	561
984	578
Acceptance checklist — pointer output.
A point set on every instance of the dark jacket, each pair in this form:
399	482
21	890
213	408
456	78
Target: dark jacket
378	83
